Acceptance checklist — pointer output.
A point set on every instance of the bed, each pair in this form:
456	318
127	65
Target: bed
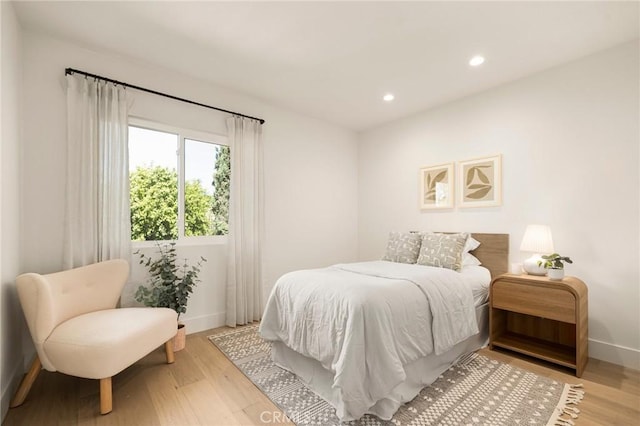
368	336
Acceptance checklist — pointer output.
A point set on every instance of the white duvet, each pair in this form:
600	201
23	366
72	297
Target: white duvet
365	321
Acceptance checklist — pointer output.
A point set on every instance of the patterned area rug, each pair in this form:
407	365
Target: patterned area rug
477	391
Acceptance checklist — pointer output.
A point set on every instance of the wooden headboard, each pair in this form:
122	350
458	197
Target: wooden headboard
493	252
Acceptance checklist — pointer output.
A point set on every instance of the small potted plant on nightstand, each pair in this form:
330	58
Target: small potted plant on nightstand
170	285
554	264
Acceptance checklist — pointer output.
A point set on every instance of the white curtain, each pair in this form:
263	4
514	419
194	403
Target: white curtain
97	222
244	273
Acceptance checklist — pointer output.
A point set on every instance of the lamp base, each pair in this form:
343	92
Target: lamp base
531	265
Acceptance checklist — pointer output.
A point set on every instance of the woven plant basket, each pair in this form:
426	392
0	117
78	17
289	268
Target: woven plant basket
180	338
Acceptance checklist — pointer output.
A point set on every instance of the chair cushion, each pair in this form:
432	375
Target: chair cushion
101	344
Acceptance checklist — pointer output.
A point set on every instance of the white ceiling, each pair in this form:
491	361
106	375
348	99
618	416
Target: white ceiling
335	60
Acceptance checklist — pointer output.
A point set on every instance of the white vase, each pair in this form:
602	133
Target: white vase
532	267
555	274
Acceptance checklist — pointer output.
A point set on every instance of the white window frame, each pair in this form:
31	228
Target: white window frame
182	134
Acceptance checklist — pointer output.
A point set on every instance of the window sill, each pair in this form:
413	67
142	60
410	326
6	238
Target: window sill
184	242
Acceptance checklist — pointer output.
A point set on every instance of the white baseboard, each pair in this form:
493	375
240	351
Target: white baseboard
12	385
621	355
204	322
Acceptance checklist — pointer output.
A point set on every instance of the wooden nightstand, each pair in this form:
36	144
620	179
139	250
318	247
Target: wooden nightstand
541	318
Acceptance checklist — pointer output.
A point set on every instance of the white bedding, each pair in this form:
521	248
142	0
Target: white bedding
478	278
420	373
364	322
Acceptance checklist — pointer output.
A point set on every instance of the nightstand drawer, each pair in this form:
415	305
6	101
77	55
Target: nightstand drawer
556	304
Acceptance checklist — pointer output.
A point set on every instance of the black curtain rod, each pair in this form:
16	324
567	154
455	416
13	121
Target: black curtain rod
109	80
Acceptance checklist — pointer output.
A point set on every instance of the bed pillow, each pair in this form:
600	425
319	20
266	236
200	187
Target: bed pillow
442	250
403	247
467	257
471	244
470	260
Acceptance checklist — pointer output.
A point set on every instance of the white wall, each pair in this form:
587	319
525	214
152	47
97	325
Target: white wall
310	170
11	322
569	139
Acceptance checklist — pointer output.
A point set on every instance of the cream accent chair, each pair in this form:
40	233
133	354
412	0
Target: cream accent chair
77	329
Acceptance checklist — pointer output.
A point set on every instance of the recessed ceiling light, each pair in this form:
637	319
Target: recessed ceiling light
476	60
388	97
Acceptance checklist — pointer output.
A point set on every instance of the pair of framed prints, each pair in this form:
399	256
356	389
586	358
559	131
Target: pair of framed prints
479	184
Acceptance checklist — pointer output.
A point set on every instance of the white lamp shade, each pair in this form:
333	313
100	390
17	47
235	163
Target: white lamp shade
537	239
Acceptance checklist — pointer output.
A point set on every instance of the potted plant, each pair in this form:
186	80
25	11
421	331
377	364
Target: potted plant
554	264
169	285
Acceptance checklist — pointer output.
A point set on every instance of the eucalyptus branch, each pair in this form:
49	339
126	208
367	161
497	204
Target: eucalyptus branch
169	285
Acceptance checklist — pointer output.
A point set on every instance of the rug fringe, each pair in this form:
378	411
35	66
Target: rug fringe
571	395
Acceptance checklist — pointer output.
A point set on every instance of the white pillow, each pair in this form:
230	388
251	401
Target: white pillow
470	260
471	244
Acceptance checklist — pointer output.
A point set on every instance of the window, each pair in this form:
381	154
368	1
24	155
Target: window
179	183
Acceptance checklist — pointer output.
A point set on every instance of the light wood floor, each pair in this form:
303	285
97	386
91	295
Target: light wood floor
204	388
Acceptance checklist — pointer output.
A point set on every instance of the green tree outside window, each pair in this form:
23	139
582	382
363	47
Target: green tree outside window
154	202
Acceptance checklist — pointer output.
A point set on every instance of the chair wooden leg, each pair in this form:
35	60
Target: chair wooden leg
168	348
106	401
27	382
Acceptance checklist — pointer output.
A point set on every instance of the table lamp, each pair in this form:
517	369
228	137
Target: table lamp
537	240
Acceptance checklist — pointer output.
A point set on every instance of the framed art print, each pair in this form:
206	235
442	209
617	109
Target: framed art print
436	187
480	182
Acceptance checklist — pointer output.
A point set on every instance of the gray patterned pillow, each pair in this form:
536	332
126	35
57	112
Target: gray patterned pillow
403	247
442	250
